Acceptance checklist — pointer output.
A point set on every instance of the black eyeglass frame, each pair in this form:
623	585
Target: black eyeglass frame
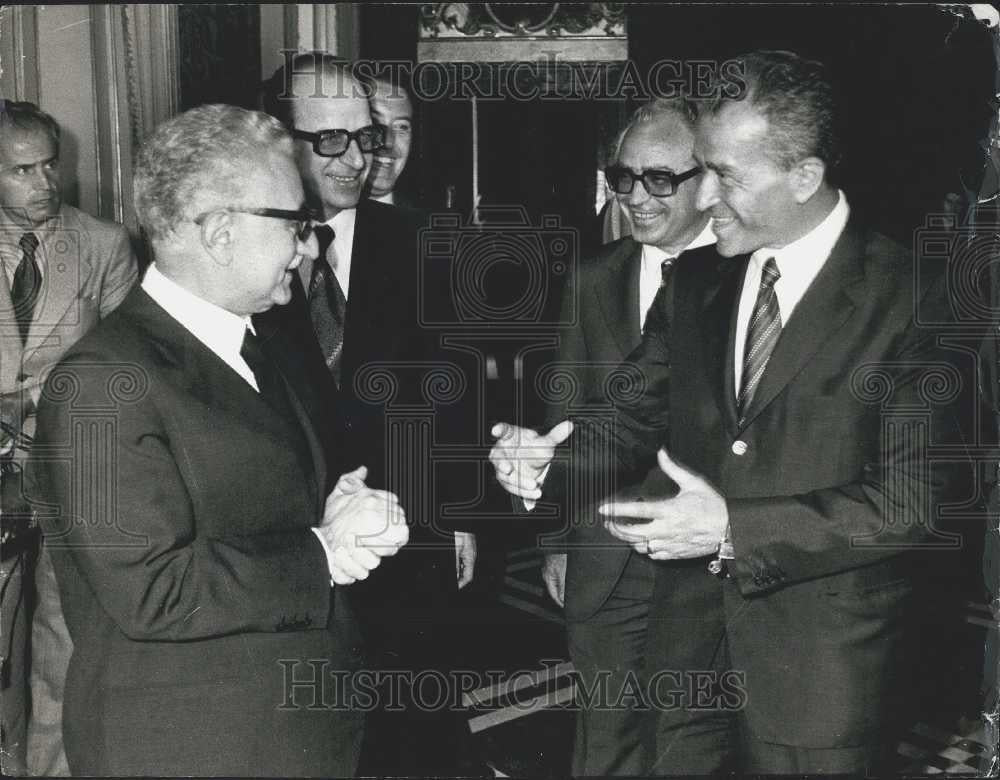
616	174
305	217
317	139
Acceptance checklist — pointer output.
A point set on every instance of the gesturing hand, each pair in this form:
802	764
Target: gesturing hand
521	455
689	525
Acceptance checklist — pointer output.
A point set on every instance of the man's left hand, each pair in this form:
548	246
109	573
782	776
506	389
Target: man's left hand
689	525
465	557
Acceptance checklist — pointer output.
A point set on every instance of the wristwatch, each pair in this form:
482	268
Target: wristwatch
718	565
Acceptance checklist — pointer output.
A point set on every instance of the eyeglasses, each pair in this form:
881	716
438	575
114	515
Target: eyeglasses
660	184
333	143
302	218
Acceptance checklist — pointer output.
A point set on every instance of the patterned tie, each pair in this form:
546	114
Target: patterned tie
327	305
762	333
27	284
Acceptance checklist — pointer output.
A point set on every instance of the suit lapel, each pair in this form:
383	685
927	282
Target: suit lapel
718	323
66	269
827	304
10	339
620	302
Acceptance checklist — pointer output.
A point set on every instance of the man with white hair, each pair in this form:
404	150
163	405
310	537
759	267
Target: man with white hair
200	563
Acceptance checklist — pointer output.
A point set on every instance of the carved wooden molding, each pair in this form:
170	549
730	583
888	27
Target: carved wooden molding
501	32
18	53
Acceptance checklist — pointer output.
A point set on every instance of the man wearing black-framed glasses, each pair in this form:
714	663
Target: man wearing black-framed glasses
604	587
355	310
204	566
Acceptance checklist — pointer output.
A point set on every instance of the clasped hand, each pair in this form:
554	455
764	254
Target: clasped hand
361	526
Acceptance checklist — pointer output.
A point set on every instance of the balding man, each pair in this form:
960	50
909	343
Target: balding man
201	563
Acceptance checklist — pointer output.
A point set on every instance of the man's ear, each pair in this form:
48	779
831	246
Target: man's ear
218	235
807	177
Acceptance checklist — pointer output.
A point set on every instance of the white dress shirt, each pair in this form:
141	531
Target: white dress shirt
651	275
343	243
798	263
219	330
10	245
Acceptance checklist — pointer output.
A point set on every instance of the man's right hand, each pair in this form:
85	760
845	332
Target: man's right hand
521	455
361	526
554	576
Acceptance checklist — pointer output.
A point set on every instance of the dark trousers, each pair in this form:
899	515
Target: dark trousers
15	582
608	652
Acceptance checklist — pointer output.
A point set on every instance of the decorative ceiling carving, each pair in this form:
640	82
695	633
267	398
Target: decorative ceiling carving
500	32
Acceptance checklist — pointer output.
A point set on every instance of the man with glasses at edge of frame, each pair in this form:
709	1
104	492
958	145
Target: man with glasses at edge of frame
605	587
354	309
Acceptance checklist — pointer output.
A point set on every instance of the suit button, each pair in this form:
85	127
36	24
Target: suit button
739	447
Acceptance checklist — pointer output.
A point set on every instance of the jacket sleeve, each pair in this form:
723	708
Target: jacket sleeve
122	514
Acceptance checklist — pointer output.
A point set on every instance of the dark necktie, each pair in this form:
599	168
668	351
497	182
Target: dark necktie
762	333
269	381
27	284
327	305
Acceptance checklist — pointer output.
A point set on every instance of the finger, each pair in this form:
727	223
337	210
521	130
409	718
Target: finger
515	487
679	474
560	432
501	464
552	588
343	561
363	557
465	573
501	430
638	510
340	577
623	533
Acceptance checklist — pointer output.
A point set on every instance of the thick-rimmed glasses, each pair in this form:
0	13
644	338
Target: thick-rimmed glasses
303	219
333	143
660	184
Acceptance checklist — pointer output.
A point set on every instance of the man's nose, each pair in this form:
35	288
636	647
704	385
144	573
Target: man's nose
390	139
353	156
708	191
638	194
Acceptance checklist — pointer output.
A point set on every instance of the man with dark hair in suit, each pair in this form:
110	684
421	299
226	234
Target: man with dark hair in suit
200	560
604	586
63	270
356	309
392	108
793	383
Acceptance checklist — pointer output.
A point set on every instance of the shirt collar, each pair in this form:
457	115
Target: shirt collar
805	256
218	329
653	256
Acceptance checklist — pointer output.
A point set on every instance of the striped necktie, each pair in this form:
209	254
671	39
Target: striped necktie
762	333
27	285
327	305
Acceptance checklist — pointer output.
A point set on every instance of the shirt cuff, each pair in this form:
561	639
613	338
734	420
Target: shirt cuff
327	551
529	503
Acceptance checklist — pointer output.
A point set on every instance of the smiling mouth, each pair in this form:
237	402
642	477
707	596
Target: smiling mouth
345	180
721	223
645	217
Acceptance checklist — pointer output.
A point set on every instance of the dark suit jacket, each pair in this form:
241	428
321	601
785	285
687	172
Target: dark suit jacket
605	294
387	389
827	500
192	585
